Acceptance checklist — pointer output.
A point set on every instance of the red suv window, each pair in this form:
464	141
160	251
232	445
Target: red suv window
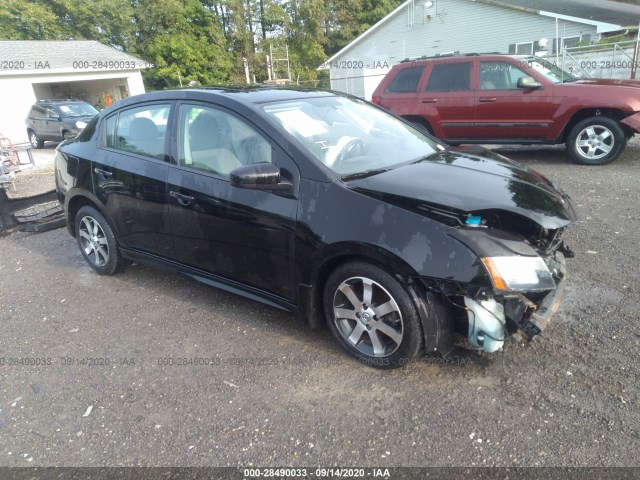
405	81
449	77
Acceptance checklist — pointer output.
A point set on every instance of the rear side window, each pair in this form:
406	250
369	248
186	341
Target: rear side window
139	130
38	111
406	81
449	77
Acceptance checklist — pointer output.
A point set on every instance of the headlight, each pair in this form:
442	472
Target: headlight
81	125
519	273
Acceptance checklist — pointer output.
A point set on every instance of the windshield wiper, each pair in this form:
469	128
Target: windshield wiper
365	174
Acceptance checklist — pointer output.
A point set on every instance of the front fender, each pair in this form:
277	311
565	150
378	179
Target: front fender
632	121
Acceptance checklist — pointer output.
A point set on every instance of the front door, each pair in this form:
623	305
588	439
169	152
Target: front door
504	111
243	235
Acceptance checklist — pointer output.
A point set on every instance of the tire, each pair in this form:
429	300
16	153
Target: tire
422	127
382	332
596	141
36	142
97	242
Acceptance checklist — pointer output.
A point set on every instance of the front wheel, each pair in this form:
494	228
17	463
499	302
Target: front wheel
596	141
97	242
372	315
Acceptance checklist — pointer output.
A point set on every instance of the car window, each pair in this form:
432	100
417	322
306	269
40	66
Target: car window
499	76
215	141
449	77
350	136
138	130
78	109
405	81
48	111
39	111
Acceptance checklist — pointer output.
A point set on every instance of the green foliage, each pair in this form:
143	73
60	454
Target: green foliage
206	41
30	20
184	41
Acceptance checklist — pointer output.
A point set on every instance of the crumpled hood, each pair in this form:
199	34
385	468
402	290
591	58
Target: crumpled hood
464	182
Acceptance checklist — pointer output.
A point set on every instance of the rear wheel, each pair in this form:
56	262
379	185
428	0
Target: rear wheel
97	242
35	141
422	126
596	141
372	315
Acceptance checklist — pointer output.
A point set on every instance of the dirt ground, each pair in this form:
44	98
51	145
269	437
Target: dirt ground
98	377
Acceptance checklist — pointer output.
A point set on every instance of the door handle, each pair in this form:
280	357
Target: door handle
183	200
429	100
104	173
487	99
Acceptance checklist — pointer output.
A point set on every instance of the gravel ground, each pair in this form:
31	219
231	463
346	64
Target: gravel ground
276	393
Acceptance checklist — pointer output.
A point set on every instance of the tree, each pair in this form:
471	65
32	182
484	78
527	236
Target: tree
184	40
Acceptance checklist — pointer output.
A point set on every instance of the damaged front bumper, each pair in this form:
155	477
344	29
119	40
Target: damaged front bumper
495	318
510	317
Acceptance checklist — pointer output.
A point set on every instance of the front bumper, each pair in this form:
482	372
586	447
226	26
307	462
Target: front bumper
493	318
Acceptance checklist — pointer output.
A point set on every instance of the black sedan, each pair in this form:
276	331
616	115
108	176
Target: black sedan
325	205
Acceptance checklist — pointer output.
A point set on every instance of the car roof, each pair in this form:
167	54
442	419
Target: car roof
245	94
458	56
59	100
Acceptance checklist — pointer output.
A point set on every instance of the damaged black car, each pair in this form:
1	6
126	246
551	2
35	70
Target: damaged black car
323	205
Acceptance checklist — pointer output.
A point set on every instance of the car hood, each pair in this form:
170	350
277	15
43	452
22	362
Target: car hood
81	118
471	181
605	82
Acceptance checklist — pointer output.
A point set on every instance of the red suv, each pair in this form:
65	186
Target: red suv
509	99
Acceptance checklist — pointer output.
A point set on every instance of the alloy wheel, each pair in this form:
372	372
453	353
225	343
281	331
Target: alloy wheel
595	142
368	317
93	241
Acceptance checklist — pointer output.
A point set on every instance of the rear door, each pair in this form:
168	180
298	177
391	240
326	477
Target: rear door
130	174
52	123
504	111
37	120
401	94
448	99
240	234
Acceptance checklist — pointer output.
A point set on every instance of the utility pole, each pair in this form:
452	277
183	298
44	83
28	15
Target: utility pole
636	55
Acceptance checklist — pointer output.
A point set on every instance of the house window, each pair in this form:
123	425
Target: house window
524	48
569	42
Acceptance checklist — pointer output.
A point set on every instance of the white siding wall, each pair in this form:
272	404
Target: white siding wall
455	25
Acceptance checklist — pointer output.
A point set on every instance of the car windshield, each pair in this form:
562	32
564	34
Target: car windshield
550	70
351	136
77	110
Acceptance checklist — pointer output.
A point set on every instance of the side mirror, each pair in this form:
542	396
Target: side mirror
259	176
528	83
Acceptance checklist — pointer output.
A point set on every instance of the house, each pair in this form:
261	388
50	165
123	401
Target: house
33	70
426	28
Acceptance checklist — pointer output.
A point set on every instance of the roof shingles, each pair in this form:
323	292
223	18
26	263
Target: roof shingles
81	55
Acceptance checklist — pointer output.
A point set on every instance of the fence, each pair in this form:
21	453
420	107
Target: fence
612	60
